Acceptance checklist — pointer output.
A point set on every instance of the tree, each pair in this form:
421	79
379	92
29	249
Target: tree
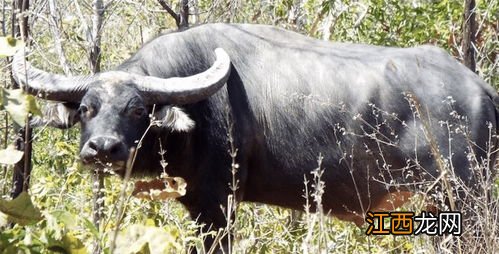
182	18
22	169
469	33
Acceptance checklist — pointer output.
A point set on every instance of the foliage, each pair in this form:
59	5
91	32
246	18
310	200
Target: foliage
61	188
20	210
9	46
19	105
10	155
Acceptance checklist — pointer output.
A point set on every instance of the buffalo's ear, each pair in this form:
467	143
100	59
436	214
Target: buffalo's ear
174	119
58	115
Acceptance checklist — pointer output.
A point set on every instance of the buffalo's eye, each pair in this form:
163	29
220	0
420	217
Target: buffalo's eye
138	112
85	111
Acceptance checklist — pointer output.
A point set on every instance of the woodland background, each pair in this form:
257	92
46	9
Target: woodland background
80	37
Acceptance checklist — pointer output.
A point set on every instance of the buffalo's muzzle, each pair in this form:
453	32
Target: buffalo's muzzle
104	150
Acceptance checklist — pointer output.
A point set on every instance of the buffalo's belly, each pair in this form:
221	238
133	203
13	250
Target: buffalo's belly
345	188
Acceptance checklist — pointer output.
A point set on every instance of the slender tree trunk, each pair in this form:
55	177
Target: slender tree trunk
20	27
184	14
469	33
54	27
98	205
95	60
4	20
22	169
195	8
95	50
6	116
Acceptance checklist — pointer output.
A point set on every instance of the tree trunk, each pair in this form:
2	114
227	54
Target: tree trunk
469	33
22	169
95	59
95	50
184	14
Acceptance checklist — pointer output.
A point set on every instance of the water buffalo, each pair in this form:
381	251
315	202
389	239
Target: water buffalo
384	120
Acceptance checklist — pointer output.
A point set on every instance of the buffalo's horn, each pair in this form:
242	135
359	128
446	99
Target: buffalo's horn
189	89
47	85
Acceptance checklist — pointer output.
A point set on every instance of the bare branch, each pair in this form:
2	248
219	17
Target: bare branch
170	11
317	20
83	21
106	6
4	32
54	18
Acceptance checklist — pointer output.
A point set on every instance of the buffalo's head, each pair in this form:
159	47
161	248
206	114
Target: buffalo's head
114	108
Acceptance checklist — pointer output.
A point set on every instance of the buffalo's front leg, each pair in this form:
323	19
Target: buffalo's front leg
210	212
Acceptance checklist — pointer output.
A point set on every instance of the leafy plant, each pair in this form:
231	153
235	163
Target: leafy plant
61	188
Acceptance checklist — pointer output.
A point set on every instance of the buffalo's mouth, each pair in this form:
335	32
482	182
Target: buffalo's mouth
106	167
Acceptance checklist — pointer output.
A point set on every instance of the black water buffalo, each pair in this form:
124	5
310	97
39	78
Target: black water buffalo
383	119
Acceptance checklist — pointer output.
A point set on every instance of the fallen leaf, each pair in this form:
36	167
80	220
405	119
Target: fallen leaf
160	189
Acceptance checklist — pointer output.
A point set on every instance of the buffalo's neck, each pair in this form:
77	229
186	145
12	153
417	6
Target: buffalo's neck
182	60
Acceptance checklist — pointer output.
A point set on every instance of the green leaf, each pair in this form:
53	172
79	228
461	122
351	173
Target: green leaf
9	46
144	250
19	105
21	210
67	244
73	245
140	239
90	227
10	155
67	218
3	220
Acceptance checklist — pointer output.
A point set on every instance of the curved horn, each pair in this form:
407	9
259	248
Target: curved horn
47	85
187	89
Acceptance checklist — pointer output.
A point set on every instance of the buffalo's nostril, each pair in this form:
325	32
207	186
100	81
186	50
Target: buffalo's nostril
115	148
92	144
